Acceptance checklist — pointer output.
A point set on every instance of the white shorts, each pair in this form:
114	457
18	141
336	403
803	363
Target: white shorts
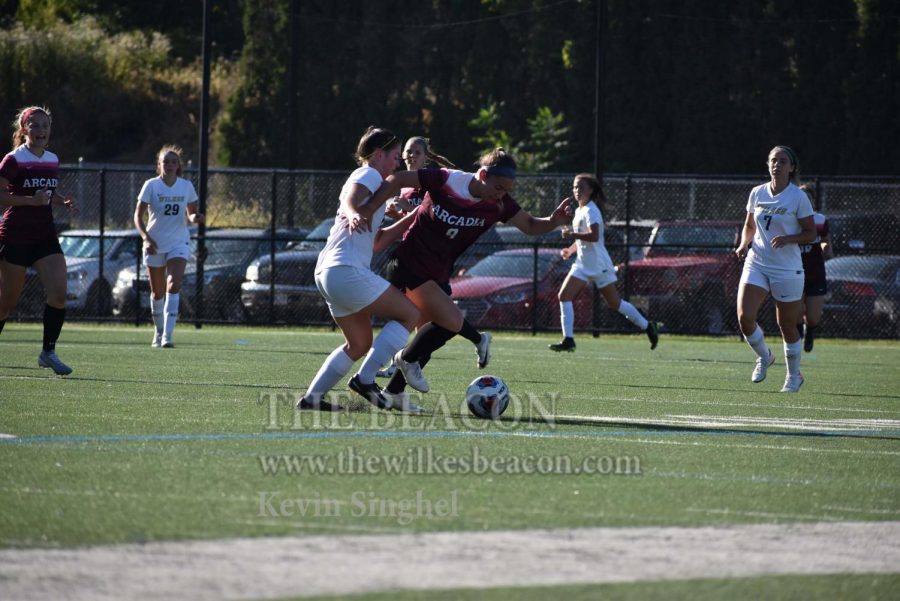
785	288
601	279
348	290
182	251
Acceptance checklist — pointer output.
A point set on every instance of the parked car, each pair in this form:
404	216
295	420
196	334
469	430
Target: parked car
87	293
499	290
863	298
228	253
294	297
863	233
689	276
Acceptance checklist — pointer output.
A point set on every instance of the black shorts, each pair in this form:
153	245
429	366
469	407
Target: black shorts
405	280
815	288
27	254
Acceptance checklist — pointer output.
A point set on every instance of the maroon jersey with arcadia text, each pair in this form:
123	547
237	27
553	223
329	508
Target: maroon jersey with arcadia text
26	174
448	222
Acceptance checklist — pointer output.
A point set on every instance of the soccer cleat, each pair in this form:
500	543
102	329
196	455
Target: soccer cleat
51	360
306	405
157	340
792	383
653	333
400	402
370	392
167	343
808	339
567	344
483	348
762	366
387	372
412	372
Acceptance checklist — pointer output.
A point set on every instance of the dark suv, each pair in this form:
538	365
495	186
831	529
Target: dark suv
689	276
863	233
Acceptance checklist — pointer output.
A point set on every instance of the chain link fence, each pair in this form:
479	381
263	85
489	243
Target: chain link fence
671	236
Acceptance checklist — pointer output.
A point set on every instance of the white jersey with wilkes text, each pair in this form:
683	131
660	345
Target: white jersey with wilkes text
592	256
167	208
344	247
777	215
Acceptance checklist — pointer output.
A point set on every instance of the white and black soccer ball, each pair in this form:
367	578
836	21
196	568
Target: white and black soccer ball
487	397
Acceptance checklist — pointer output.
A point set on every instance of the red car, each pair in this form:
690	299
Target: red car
516	289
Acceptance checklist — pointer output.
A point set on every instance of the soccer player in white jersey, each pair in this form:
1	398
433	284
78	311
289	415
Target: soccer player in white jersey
592	264
353	292
779	219
171	203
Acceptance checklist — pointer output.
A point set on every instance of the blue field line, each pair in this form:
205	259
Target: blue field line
421	434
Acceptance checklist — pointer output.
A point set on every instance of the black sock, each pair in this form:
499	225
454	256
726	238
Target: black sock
470	333
2	323
53	323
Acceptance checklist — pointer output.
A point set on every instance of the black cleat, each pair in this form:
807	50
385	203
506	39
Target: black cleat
370	392
567	344
653	333
306	405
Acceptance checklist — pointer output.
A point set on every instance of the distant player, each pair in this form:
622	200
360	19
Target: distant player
417	154
458	208
779	219
592	264
29	176
815	287
171	203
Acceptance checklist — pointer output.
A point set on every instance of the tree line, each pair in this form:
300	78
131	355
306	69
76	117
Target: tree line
700	87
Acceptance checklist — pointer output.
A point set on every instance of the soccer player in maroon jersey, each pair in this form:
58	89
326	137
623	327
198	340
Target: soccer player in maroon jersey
456	210
29	176
815	287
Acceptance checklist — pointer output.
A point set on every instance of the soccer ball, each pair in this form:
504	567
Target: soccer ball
487	397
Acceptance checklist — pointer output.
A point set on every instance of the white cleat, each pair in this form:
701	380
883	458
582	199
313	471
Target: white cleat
412	372
401	402
157	340
387	372
792	383
762	367
484	350
50	360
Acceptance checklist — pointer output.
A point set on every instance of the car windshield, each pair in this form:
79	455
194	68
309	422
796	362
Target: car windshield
866	268
83	248
518	265
227	252
696	238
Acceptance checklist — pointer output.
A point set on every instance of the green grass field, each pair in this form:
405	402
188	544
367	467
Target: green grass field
201	442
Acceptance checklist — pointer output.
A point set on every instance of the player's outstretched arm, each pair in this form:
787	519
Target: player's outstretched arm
535	226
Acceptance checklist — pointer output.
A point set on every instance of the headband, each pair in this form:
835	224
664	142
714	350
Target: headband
26	115
501	171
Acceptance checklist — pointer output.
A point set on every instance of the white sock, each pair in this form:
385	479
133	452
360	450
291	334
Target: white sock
567	318
792	357
171	316
757	342
333	369
156	311
632	314
391	339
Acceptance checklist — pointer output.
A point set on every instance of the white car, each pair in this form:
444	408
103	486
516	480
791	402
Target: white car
86	291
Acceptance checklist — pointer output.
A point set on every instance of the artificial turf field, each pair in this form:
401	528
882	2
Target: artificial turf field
200	442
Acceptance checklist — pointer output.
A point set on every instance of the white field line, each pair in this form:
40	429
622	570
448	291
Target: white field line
765	447
724	404
271	568
716	421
